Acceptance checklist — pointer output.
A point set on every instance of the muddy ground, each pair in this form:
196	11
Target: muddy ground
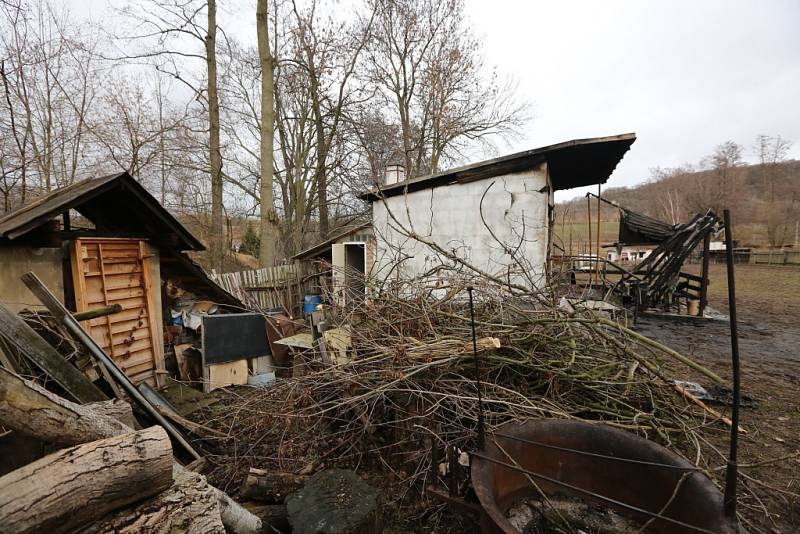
768	306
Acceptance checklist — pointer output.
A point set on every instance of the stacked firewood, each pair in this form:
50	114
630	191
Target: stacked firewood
108	477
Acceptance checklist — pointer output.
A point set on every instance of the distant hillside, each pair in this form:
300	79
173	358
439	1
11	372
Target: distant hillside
764	201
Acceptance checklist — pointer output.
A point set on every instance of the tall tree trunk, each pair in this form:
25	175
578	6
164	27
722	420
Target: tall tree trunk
215	157
269	222
322	151
322	177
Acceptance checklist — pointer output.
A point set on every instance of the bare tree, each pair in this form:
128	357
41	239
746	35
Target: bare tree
717	189
51	75
269	222
427	65
670	198
172	31
215	156
778	203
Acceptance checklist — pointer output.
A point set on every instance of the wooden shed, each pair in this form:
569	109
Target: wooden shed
122	248
343	262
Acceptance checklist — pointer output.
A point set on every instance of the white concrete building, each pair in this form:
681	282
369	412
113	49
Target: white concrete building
495	216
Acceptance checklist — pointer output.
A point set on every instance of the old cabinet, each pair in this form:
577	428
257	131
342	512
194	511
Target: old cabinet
117	271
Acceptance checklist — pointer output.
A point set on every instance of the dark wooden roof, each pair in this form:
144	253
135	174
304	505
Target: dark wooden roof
115	204
638	229
324	246
571	164
189	275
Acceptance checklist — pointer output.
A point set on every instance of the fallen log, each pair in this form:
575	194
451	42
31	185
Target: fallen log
116	408
78	485
189	505
270	486
34	411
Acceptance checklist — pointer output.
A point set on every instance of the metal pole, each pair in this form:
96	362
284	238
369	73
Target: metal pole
732	468
589	224
704	281
597	262
481	432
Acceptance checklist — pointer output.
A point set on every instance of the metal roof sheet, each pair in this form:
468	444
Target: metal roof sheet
571	164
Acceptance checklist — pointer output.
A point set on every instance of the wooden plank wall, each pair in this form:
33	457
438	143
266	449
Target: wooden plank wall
282	286
117	271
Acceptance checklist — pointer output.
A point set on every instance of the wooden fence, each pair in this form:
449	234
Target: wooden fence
775	257
282	286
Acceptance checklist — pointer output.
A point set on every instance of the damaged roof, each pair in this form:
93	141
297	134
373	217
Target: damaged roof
639	229
571	164
113	203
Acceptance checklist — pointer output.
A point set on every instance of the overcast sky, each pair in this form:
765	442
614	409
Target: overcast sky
684	75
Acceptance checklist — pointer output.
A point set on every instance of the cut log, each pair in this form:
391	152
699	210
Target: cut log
30	409
80	484
118	409
59	421
270	486
334	501
189	505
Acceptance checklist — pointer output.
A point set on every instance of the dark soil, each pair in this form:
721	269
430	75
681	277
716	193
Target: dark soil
769	350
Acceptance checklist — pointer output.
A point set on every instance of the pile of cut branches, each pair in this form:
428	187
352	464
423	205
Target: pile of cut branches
410	383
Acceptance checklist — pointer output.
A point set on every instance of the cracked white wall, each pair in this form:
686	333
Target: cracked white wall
511	227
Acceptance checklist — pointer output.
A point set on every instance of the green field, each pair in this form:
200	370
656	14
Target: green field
578	234
747	235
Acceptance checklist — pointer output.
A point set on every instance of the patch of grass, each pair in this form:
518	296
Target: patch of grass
763	292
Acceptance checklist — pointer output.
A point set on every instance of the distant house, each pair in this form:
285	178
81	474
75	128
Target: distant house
629	253
126	249
495	215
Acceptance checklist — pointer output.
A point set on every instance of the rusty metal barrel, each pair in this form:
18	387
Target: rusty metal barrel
581	460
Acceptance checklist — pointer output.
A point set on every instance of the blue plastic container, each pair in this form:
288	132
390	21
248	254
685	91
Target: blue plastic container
310	303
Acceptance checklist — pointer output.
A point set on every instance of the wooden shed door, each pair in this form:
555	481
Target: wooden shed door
117	271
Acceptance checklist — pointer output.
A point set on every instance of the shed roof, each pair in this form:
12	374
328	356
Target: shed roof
323	246
575	163
114	203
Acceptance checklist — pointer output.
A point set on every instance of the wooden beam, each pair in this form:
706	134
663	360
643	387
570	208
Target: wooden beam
37	350
63	316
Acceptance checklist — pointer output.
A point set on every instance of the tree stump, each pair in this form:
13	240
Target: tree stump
334	501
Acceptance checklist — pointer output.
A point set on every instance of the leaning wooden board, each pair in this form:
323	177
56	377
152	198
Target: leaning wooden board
108	271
